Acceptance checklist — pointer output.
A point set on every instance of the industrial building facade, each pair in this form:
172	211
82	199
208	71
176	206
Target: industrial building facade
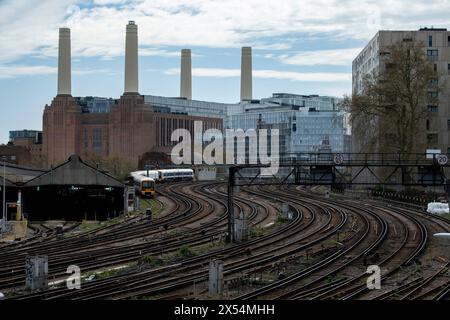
127	129
371	60
134	126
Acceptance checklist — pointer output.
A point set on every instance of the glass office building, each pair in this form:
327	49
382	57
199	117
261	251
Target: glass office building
194	107
302	129
303	101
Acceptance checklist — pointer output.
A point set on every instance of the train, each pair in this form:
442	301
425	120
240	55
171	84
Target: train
169	175
144	180
143	185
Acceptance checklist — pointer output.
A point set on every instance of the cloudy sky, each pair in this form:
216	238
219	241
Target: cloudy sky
299	46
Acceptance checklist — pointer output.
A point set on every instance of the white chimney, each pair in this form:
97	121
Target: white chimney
131	59
64	68
246	73
186	74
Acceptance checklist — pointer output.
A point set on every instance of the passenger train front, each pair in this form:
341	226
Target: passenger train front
144	185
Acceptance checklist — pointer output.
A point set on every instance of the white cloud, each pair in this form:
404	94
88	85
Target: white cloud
82	72
13	71
337	57
268	74
158	52
108	2
299	76
99	29
25	29
207	72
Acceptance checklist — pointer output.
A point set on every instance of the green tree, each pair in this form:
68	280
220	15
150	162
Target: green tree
116	166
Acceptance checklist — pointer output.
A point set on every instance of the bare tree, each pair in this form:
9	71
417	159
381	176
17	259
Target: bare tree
390	113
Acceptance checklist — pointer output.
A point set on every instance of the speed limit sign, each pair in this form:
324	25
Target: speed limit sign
441	159
338	158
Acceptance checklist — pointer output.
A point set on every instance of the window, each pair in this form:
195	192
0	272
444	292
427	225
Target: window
432	139
428	124
433	81
435	67
432	94
433	108
85	137
448	124
430	41
432	54
448	41
448	68
97	138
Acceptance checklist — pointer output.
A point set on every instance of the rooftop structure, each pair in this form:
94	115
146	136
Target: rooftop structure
34	135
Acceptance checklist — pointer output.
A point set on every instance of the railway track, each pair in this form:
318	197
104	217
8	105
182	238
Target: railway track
203	230
266	256
345	288
83	246
344	235
235	250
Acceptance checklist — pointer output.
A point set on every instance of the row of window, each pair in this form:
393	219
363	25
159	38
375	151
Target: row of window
428	124
430	41
432	53
436	68
432	139
433	108
177	174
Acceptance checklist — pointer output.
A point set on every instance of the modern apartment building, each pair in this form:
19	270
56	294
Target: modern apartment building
437	46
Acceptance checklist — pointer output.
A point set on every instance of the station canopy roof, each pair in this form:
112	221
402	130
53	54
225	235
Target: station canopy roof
19	174
74	172
8	183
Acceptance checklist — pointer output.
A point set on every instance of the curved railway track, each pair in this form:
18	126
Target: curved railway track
342	235
345	288
98	247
